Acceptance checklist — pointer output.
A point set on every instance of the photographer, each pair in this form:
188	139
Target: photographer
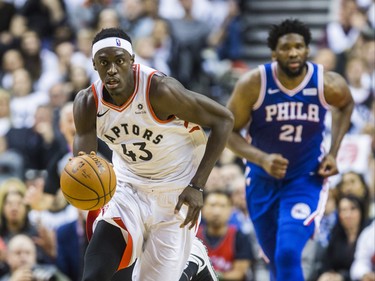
21	258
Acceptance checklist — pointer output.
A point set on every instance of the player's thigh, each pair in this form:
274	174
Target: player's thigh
106	238
165	252
299	200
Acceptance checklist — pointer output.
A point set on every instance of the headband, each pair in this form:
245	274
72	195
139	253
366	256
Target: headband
112	42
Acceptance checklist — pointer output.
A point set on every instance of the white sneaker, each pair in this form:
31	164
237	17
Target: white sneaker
200	257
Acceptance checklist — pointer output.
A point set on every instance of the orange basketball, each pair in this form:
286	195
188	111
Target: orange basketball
88	182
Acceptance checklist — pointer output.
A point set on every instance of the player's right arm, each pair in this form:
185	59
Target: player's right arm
84	111
241	103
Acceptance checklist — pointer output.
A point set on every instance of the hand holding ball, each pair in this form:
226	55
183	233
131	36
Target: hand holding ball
88	181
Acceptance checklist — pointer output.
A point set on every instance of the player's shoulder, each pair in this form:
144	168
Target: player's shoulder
84	94
85	98
162	86
249	83
333	80
252	76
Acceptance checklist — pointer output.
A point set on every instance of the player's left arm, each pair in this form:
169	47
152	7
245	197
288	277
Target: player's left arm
337	95
84	110
169	97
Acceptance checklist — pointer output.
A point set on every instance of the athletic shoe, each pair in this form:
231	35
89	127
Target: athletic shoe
200	257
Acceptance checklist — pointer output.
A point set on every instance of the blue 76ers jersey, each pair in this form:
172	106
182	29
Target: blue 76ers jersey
289	122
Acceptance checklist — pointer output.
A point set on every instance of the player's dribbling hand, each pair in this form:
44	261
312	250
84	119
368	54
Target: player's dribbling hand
275	165
328	166
194	199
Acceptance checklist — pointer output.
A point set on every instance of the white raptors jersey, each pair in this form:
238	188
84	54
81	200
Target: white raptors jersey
148	151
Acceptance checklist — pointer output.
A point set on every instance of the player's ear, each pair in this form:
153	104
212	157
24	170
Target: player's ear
132	58
273	55
93	64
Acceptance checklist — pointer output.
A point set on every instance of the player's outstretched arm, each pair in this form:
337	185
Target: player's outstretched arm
168	98
84	110
338	96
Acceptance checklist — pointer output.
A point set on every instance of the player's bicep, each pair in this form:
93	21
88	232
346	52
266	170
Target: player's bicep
175	99
336	90
243	98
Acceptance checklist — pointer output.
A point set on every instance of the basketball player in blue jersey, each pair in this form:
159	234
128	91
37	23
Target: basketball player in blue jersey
161	157
283	105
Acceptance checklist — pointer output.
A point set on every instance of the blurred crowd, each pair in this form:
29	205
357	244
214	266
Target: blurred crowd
45	51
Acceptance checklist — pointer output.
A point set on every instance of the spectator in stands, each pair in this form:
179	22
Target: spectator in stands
363	266
36	144
214	180
7	11
12	60
5	119
59	211
369	57
11	162
227	40
24	101
22	260
345	35
189	39
107	18
339	255
58	97
82	56
78	78
354	183
356	75
327	58
14	213
229	248
230	172
64	51
131	11
44	16
42	63
44	195
14	220
162	41
3	265
146	21
71	243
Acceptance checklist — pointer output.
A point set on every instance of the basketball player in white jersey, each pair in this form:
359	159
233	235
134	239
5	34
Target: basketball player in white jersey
161	157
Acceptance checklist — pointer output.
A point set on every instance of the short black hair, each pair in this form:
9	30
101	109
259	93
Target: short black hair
111	32
224	192
285	27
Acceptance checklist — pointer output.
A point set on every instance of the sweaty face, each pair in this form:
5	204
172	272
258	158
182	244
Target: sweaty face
114	66
291	54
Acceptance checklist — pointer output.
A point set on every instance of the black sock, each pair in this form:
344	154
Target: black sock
189	272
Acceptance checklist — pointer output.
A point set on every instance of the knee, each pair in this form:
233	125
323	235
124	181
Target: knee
287	256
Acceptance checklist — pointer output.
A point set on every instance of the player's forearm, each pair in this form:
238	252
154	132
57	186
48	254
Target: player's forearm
340	125
85	143
243	149
215	145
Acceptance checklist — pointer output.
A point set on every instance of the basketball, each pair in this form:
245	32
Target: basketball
88	182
